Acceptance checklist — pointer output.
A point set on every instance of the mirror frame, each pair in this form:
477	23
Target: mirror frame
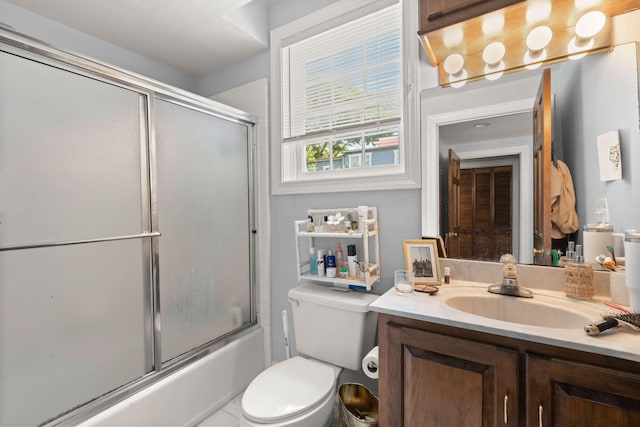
430	200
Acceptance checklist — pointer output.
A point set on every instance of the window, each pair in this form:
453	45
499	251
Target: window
345	94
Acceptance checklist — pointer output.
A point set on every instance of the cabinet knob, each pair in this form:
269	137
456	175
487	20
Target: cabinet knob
537	251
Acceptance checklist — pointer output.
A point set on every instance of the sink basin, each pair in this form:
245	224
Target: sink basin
527	311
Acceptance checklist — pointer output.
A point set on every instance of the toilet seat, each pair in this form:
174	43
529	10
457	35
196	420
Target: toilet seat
287	390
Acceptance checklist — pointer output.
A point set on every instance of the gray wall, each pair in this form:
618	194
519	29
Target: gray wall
600	95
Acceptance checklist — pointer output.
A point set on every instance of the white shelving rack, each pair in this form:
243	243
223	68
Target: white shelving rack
365	238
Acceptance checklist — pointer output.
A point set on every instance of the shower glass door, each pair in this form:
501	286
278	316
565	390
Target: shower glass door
75	317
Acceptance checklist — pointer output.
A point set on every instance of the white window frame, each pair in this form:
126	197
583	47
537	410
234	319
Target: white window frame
406	174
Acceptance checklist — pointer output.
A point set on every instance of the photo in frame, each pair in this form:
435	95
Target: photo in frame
421	257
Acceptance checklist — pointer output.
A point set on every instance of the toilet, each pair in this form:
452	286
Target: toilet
334	329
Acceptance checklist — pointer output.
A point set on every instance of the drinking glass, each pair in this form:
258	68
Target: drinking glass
403	282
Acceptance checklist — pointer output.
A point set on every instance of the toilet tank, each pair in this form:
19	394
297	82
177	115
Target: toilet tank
332	325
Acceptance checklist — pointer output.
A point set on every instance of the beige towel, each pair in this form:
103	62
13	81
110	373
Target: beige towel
564	218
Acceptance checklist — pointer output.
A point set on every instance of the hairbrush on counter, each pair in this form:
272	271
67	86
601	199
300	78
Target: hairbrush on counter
614	320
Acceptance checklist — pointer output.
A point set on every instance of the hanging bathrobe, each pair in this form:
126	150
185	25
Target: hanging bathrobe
564	218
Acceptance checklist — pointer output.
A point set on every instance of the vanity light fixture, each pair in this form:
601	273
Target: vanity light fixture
532	33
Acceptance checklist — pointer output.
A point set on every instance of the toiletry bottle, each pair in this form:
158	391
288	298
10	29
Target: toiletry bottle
351	259
321	269
313	262
447	274
363	215
339	257
331	264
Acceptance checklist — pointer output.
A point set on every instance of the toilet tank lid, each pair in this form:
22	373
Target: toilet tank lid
333	297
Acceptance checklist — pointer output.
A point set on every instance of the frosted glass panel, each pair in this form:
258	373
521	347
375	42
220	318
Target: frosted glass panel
69	155
203	196
72	326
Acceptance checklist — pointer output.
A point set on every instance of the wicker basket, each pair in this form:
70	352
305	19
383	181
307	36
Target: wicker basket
578	281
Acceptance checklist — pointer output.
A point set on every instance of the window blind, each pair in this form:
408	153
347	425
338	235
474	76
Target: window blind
349	76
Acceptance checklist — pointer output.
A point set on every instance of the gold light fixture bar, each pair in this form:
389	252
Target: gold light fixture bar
510	27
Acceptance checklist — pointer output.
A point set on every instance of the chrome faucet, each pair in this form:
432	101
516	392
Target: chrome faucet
509	285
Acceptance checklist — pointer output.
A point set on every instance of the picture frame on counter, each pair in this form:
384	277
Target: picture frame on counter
421	257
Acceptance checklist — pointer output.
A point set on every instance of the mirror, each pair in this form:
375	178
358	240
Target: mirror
592	96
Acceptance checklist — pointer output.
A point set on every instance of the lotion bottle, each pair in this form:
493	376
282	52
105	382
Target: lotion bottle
331	265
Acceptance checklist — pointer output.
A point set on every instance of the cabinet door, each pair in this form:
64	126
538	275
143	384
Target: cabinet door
428	379
561	393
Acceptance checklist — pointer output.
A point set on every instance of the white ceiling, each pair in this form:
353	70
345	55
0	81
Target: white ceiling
512	126
195	36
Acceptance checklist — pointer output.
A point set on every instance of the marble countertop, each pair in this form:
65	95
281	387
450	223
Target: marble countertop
620	342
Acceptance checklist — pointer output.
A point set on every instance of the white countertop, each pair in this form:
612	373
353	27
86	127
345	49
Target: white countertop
619	342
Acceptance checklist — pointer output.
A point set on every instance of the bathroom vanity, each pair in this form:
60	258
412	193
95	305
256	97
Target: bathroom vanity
445	366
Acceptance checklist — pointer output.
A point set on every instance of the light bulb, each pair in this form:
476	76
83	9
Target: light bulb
539	38
538	11
453	63
590	24
492	23
453	36
493	53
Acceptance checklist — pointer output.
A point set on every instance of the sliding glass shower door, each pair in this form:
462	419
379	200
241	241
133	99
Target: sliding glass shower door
203	210
75	319
126	244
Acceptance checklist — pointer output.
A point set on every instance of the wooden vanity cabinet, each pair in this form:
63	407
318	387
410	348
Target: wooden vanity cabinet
436	375
435	14
436	380
562	393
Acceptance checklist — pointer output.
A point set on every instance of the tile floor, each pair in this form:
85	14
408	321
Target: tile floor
229	415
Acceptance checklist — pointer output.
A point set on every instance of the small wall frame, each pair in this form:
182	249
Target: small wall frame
421	257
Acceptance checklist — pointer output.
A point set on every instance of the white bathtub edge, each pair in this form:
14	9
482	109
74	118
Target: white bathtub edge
190	394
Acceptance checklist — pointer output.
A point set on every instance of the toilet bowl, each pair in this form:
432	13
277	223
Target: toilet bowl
333	330
296	392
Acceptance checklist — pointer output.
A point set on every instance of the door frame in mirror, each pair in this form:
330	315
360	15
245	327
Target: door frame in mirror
430	199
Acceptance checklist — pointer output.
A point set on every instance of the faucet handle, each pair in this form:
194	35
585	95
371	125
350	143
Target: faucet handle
509	266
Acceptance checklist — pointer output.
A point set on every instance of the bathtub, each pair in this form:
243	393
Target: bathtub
191	394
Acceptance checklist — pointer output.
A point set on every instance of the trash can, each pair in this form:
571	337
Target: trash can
358	406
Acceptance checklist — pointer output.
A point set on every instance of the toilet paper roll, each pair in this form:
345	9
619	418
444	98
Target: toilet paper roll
370	363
